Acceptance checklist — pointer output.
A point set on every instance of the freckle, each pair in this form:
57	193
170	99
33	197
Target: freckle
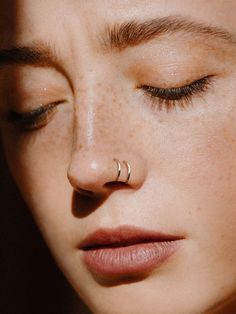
131	135
199	209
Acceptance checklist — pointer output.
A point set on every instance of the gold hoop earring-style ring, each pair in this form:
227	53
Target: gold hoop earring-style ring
118	168
128	171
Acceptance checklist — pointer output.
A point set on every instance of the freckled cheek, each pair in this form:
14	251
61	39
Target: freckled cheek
202	168
209	181
210	165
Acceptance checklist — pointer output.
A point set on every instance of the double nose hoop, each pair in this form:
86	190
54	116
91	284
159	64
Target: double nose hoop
127	165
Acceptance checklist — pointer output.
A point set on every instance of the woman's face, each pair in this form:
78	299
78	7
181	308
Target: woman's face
147	82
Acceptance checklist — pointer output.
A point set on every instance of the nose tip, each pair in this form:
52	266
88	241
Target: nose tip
97	173
90	176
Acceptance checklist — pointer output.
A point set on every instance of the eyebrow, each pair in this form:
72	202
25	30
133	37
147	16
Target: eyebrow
133	33
116	37
36	55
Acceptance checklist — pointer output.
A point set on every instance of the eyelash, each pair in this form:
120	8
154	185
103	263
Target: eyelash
170	98
33	119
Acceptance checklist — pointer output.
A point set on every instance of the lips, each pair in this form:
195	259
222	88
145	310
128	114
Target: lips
127	250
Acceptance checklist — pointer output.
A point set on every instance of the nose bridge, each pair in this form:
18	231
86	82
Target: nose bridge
98	113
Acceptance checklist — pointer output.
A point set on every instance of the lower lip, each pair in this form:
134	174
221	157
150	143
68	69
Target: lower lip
129	260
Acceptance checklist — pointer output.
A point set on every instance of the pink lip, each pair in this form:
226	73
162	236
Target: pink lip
127	250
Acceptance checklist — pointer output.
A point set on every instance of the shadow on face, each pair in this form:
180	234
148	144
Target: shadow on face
30	281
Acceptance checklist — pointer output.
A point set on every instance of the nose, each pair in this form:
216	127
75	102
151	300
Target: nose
105	153
100	172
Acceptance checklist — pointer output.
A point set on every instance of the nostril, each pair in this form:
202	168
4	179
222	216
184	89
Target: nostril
86	192
115	185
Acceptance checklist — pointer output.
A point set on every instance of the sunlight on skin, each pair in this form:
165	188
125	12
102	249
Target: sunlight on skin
151	83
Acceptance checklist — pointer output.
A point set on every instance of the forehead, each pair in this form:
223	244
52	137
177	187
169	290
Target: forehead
26	19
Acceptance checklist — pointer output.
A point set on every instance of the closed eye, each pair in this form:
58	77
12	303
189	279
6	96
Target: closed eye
170	98
34	119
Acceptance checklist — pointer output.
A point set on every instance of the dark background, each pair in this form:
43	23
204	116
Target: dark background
30	282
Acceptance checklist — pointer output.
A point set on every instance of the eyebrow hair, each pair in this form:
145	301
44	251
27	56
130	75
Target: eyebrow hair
35	54
118	36
133	33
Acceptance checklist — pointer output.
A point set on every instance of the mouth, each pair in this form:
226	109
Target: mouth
127	250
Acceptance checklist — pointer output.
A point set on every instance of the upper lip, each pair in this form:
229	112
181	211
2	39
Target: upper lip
124	236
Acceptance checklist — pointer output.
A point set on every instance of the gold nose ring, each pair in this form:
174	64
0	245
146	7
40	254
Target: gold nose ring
118	169
128	171
118	163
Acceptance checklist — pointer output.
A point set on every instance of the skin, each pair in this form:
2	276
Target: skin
183	161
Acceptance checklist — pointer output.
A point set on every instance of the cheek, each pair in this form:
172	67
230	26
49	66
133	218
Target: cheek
210	162
201	165
39	167
38	161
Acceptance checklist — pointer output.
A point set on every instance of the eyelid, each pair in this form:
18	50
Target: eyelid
16	117
173	97
35	119
203	80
